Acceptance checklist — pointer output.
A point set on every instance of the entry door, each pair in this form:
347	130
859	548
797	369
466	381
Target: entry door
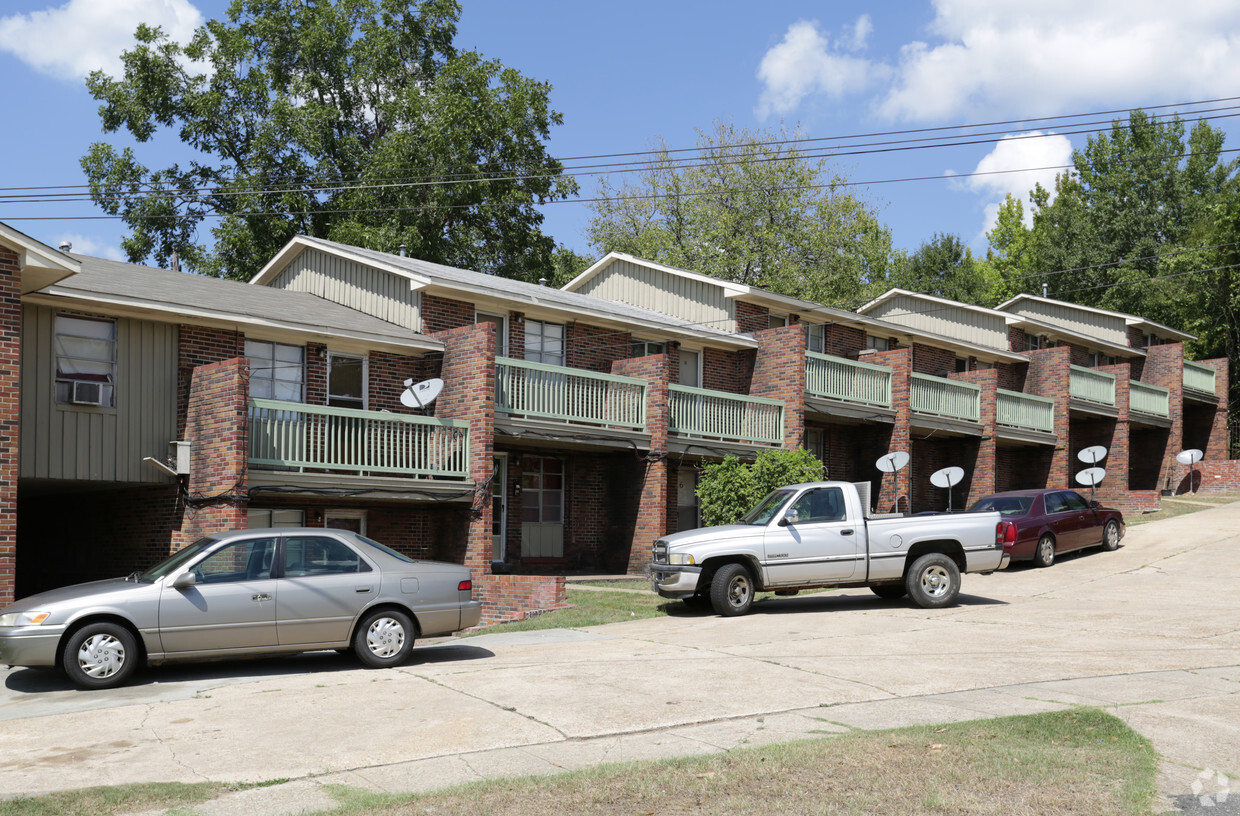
820	546
232	605
542	507
499	508
686	500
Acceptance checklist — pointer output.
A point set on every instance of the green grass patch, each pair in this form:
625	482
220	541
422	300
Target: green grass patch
103	801
615	583
1172	508
592	608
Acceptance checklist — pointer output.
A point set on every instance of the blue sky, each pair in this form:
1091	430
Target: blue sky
625	74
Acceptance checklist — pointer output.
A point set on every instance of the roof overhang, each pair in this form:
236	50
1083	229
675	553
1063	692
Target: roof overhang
1129	319
730	289
300	243
40	265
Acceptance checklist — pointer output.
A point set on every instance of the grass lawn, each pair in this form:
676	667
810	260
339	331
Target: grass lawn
1182	505
1079	761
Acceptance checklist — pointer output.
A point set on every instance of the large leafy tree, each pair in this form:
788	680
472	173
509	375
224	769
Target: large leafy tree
748	207
945	267
354	120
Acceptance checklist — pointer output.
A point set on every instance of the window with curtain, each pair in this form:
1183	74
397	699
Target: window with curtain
544	342
85	354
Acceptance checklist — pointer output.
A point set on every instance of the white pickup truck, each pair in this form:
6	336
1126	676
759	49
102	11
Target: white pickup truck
808	536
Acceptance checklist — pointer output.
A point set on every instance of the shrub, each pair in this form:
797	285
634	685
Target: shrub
729	489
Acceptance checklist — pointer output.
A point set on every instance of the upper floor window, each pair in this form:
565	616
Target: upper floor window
85	361
962	364
544	342
776	321
1032	342
1153	340
346	381
501	330
877	343
1097	358
816	337
643	347
277	371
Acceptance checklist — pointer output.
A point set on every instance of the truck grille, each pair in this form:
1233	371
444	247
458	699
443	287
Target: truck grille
660	552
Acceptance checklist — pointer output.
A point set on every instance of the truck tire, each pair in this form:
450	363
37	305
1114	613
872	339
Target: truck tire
731	590
933	581
889	592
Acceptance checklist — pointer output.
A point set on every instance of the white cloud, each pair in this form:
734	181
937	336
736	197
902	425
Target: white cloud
81	36
1045	57
83	245
806	62
1015	165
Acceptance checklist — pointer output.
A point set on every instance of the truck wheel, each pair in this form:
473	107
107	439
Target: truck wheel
889	592
731	591
934	581
1110	536
100	655
1044	553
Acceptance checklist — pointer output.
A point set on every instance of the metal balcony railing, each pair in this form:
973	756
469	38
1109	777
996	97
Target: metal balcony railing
846	380
946	398
1091	385
1028	411
571	395
720	415
299	436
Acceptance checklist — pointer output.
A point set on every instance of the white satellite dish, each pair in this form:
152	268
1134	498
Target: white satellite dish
421	394
947	477
1092	455
1091	476
891	462
1189	457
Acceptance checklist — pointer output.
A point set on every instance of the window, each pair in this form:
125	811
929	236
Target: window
501	330
85	361
1031	342
690	368
877	343
815	443
248	560
776	321
816	337
275	518
544	342
1097	358
346	381
820	505
1153	340
542	490
641	348
319	555
276	370
962	364
351	520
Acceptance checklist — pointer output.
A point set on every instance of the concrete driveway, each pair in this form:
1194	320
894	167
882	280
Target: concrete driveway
1152	632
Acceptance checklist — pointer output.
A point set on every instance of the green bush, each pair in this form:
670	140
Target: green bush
729	489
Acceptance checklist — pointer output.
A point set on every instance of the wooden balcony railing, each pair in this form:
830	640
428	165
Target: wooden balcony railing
570	395
1149	399
1028	411
295	435
720	415
846	380
1198	377
1091	385
946	398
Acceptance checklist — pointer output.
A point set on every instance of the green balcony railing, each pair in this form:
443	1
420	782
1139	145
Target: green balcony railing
1149	399
573	395
720	415
1029	411
839	379
1091	385
295	435
946	398
1198	377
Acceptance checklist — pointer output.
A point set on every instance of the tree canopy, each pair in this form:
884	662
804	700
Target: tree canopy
748	207
945	267
353	120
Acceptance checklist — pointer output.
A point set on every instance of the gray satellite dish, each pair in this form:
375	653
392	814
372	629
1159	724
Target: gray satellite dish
1091	476
891	462
948	477
1189	457
1092	455
421	394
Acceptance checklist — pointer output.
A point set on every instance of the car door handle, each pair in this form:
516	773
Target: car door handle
262	596
361	589
846	532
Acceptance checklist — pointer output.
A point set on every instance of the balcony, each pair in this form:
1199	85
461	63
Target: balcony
718	415
840	387
1024	417
1150	400
312	446
1200	382
1091	392
946	405
551	399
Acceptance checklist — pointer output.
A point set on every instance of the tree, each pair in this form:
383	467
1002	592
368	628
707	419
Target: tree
352	120
747	207
944	267
730	489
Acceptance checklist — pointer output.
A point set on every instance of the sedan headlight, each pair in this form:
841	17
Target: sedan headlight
24	618
679	559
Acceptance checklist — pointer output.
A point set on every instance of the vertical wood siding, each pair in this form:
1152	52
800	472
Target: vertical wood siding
948	321
372	291
99	444
1104	327
658	291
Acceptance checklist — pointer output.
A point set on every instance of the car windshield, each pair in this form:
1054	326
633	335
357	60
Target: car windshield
1007	505
388	550
767	508
178	559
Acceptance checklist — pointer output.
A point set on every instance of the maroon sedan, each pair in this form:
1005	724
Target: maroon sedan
1050	522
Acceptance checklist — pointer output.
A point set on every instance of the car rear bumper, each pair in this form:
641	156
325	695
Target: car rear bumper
29	645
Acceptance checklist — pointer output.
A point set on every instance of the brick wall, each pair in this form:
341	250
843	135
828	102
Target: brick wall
199	345
387	374
594	348
936	453
730	371
843	341
1048	376
217	427
1012	375
896	489
1018	340
442	314
516	597
779	373
980	473
936	362
10	417
750	317
653	486
1164	366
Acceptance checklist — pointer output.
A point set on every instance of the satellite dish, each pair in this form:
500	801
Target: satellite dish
891	462
1189	457
947	477
1091	476
421	394
1092	455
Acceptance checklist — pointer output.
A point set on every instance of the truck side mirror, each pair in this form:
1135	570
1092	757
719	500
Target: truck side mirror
789	518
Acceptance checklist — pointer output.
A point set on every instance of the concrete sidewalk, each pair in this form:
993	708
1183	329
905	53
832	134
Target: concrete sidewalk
1149	632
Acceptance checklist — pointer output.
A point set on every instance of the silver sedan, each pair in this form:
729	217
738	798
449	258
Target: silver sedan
238	594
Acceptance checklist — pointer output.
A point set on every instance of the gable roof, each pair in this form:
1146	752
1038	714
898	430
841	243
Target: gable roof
469	285
117	288
39	264
1129	319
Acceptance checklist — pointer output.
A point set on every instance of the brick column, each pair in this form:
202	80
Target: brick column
217	426
652	513
1164	366
1119	454
896	493
982	477
1217	448
1049	373
10	418
779	373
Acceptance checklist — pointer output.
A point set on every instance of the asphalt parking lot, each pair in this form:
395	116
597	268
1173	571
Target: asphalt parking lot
1151	632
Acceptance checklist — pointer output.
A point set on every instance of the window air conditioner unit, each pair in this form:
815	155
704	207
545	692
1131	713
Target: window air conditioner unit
87	393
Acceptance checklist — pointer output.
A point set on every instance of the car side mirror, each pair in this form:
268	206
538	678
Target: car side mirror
184	581
1097	505
789	518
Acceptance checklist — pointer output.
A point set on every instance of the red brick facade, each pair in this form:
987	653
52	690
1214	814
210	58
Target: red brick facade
779	373
10	417
654	490
217	428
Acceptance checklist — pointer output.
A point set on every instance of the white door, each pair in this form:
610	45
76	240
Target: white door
821	545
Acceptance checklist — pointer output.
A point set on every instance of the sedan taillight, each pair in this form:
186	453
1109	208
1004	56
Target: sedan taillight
1005	534
465	586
